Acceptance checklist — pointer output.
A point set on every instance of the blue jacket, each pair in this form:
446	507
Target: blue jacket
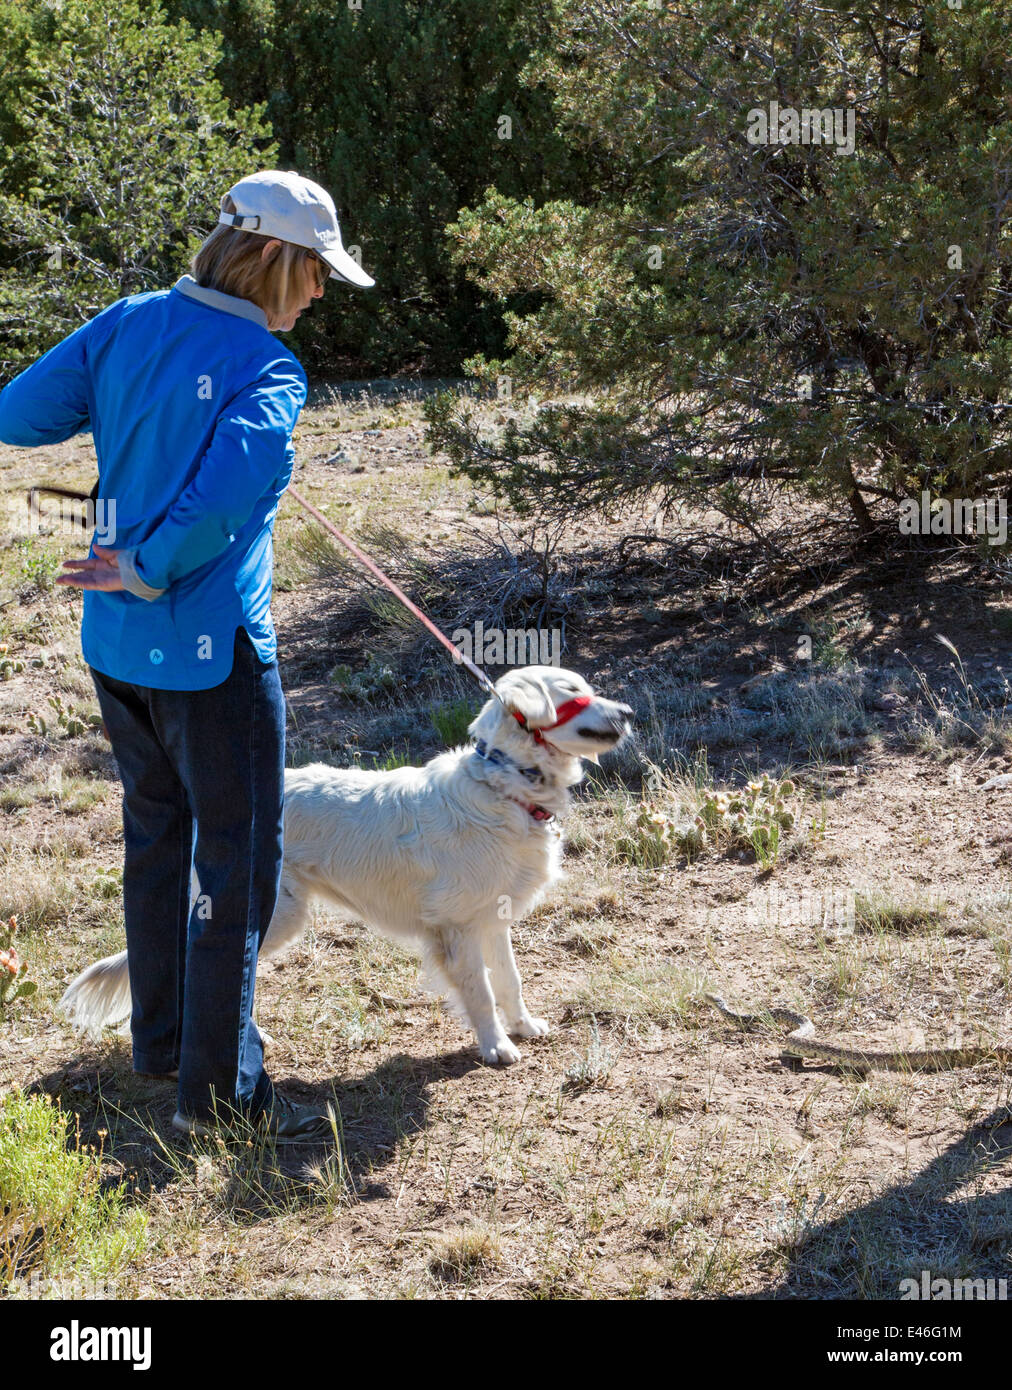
192	403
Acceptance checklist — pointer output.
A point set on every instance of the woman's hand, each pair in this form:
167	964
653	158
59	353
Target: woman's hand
100	571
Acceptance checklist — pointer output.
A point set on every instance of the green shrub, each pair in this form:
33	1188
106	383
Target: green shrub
39	565
450	721
58	1217
74	722
364	686
753	818
655	835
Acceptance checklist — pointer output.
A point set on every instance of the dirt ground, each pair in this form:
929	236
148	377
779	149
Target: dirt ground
645	1148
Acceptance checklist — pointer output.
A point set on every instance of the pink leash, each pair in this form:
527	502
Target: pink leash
565	711
373	568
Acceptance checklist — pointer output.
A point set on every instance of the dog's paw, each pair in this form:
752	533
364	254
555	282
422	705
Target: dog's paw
501	1054
528	1027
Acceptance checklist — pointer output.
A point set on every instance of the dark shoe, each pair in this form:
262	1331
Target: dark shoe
188	1124
287	1122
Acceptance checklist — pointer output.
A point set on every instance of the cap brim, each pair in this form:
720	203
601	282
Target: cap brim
345	267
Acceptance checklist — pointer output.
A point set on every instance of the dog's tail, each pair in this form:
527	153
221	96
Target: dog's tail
99	997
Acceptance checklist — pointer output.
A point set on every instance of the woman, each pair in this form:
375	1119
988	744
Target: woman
192	403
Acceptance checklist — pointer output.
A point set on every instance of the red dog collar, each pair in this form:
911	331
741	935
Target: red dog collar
568	710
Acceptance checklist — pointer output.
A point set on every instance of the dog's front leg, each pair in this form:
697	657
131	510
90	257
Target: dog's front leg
465	969
502	968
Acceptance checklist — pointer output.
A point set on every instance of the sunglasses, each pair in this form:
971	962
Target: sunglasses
321	266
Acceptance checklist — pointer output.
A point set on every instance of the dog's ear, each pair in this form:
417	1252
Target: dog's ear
526	694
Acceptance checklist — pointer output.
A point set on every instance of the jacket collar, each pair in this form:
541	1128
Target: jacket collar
229	303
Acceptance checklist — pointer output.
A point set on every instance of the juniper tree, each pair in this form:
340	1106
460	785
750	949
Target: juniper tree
405	111
753	318
127	144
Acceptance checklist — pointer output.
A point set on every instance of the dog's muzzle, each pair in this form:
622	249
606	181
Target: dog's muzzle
618	725
568	710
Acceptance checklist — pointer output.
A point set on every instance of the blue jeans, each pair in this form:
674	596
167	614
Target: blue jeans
214	758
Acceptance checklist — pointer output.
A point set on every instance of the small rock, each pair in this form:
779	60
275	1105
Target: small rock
888	702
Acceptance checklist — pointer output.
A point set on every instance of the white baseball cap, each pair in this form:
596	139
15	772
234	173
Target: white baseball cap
279	203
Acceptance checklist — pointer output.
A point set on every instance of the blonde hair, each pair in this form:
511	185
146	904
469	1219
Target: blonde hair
229	261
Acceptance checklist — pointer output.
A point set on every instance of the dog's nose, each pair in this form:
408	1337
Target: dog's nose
619	719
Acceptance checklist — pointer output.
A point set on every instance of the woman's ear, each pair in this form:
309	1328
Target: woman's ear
270	251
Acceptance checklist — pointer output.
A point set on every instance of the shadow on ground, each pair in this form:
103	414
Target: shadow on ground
929	1223
129	1118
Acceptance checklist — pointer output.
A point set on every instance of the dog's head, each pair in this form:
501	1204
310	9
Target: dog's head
557	710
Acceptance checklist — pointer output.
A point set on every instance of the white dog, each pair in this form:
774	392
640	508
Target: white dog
443	857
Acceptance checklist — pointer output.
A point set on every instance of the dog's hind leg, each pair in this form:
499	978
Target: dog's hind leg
462	963
291	916
505	977
287	924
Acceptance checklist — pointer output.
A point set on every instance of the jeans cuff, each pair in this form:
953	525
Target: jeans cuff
155	1065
